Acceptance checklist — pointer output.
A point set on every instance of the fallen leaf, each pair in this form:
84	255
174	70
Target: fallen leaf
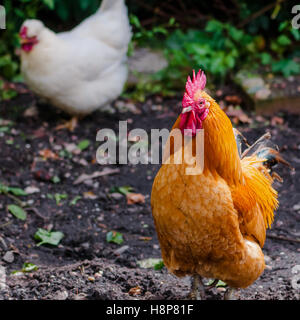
133	198
135	291
48	154
82	145
17	211
74	201
48	237
31	112
238	115
145	238
276	120
122	190
89	195
235	100
39	133
42	175
115	237
96	174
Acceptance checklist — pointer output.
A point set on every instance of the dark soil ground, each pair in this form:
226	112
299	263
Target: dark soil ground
84	265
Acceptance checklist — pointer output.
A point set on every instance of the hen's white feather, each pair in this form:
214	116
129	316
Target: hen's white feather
84	69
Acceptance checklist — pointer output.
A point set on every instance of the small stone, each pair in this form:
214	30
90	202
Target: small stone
121	250
263	94
116	195
31	112
3	243
31	190
9	257
296	207
99	274
92	279
88	182
85	245
61	295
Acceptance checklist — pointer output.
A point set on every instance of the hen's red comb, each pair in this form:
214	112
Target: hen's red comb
198	83
23	32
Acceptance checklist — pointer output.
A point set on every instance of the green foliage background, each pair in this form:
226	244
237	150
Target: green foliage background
214	35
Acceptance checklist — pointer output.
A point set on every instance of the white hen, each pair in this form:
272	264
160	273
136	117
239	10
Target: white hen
83	69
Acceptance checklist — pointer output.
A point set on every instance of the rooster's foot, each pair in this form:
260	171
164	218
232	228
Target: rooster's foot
197	292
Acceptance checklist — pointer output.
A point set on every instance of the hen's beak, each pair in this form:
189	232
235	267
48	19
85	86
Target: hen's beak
25	40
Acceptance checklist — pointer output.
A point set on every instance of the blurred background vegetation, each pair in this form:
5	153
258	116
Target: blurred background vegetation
218	36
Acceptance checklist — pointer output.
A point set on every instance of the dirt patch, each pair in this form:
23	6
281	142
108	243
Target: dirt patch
85	265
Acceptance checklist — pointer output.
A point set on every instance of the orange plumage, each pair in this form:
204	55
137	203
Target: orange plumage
214	223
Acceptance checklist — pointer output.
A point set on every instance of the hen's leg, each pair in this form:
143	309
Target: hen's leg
70	125
197	292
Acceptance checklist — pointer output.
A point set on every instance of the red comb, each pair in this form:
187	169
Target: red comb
198	83
23	32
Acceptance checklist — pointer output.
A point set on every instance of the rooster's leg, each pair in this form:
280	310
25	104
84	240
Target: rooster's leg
70	125
229	294
197	291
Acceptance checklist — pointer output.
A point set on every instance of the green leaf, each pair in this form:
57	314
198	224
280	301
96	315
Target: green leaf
149	263
9	94
283	25
134	20
28	267
159	265
55	179
115	237
9	141
295	33
17	191
48	237
83	144
286	66
17	211
4	129
276	11
74	201
49	3
60	196
221	284
265	58
123	190
84	4
283	40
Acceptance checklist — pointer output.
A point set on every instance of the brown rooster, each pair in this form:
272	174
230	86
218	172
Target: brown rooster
213	224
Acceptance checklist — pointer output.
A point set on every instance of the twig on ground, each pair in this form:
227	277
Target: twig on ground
5	224
35	210
273	236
